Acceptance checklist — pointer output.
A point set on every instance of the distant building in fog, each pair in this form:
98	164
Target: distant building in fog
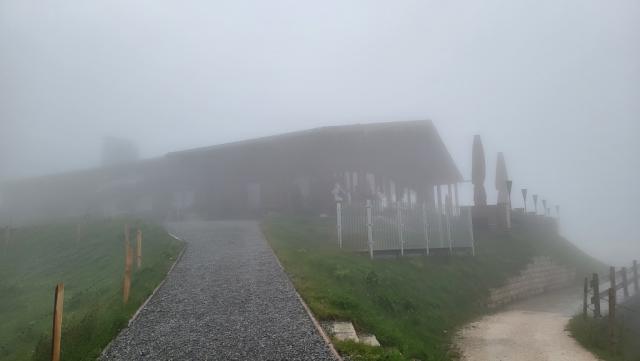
118	151
293	172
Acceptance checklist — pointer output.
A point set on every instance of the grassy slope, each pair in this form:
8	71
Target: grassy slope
413	305
92	271
593	334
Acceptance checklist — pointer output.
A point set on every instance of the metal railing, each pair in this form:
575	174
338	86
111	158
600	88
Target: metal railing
377	226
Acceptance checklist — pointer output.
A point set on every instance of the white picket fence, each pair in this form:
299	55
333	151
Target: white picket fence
376	226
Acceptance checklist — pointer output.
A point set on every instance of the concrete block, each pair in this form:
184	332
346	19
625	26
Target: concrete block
343	331
369	340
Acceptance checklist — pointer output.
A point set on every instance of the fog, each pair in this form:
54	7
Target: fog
553	85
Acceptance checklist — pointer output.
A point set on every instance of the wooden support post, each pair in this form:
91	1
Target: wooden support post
126	286
635	276
339	222
7	235
57	322
595	300
139	248
612	277
585	304
612	319
625	285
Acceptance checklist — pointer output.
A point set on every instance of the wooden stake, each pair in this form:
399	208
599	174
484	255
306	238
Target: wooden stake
7	235
595	286
612	277
126	287
57	322
139	248
612	318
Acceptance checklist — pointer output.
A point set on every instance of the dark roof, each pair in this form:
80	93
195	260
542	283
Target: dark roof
408	149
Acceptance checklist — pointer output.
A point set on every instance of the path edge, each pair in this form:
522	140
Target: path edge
144	304
315	322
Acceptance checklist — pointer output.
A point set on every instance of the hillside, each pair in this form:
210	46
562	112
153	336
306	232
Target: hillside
413	304
92	269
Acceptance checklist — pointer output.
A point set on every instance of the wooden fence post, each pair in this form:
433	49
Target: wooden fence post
612	318
126	286
595	286
139	248
635	276
585	305
7	235
339	222
369	229
612	277
57	322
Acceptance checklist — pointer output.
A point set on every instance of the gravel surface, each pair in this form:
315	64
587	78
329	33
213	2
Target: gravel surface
227	299
531	330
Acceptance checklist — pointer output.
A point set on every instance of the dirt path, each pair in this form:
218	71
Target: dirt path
533	330
227	299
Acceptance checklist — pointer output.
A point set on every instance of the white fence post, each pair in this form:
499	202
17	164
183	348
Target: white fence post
425	224
369	229
339	222
400	226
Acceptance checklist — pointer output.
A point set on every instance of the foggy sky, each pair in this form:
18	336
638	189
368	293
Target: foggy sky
555	85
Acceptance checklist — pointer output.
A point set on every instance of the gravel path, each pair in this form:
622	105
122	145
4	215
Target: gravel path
227	299
532	330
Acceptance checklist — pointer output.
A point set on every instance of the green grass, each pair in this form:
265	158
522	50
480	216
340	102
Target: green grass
92	270
593	334
414	304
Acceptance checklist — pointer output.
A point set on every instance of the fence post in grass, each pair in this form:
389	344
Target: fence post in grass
139	248
57	322
625	284
400	228
339	222
7	235
595	286
612	277
585	305
126	286
635	276
612	318
369	229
